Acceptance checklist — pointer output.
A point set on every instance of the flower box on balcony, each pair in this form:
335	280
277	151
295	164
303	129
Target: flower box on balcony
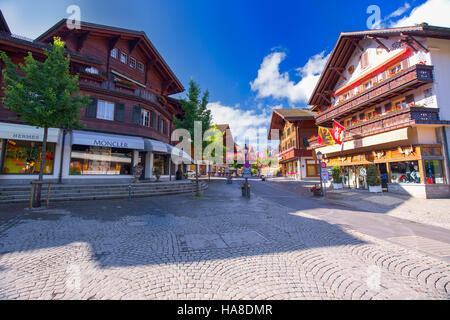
92	76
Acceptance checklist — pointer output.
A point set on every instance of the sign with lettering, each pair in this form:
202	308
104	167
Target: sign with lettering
325	175
247	172
23	132
107	140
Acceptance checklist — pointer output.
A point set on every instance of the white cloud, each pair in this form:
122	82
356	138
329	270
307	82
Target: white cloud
399	11
271	83
243	123
434	12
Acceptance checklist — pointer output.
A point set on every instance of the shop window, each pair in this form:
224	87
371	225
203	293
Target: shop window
114	53
92	160
123	57
405	172
24	157
434	172
145	118
105	110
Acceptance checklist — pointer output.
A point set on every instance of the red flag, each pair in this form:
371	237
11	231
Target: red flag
338	132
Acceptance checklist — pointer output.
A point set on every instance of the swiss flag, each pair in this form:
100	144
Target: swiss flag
338	132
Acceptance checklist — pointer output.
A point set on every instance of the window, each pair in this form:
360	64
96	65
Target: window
141	67
364	60
114	53
105	110
369	114
434	172
399	104
347	122
133	62
90	160
24	157
145	118
91	70
378	110
367	85
395	69
123	57
405	172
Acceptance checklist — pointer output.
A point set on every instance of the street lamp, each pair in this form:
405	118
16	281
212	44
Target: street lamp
319	157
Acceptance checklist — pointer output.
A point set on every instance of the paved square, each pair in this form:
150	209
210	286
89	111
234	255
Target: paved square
220	246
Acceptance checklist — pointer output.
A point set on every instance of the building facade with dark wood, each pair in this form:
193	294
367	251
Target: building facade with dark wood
129	121
390	89
294	127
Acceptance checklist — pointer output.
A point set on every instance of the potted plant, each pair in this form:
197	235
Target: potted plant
137	172
337	177
179	174
157	172
316	190
374	179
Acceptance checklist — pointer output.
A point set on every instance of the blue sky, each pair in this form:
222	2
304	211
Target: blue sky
251	55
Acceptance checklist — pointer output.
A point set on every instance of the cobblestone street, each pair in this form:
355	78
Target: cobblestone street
219	246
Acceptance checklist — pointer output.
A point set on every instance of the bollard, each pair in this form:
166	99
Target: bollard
129	192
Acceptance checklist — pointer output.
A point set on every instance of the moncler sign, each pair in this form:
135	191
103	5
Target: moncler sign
111	144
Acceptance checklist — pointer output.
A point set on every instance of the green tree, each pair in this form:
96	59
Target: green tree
44	94
195	109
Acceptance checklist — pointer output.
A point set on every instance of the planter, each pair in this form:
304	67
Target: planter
337	186
375	189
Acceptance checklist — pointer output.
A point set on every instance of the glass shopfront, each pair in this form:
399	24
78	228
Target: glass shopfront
160	162
434	172
93	160
24	157
405	172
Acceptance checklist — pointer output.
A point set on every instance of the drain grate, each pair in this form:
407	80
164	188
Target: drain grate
437	248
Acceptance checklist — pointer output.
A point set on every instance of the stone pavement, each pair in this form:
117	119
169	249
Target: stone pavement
434	212
220	246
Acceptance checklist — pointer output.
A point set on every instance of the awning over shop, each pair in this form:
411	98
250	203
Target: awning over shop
23	132
156	146
106	140
179	155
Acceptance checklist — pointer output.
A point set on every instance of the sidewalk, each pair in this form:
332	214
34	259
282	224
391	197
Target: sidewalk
435	212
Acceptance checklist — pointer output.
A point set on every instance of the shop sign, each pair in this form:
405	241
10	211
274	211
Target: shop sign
111	144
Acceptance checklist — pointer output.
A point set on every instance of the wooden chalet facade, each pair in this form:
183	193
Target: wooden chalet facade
294	127
130	120
390	89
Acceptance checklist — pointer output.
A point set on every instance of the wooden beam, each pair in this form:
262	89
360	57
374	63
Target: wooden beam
166	85
408	42
339	72
379	42
81	39
112	43
415	41
356	43
132	44
326	97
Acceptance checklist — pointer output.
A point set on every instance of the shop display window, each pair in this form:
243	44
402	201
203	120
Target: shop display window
405	172
90	160
24	157
434	172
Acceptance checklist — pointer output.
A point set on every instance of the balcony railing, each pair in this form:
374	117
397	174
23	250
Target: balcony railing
293	153
411	78
387	122
99	84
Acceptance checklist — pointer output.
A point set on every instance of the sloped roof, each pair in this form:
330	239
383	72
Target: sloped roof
279	116
348	42
114	31
3	24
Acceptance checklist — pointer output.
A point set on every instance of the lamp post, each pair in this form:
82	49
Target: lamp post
319	157
246	180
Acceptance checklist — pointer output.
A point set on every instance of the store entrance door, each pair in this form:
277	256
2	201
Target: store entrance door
382	167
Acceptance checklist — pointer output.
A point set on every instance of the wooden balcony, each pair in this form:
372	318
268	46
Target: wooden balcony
389	121
107	85
293	153
411	78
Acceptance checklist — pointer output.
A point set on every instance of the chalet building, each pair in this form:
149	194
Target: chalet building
390	89
129	121
295	127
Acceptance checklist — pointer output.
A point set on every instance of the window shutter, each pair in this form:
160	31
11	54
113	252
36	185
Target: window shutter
153	119
91	109
165	127
119	112
409	99
159	123
137	115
